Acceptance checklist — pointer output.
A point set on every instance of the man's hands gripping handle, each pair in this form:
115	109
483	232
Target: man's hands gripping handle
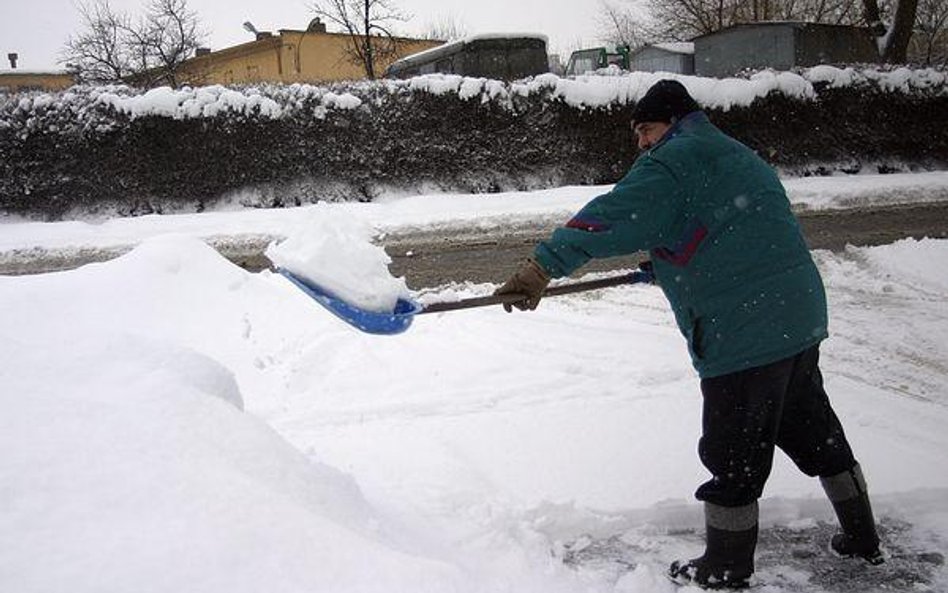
530	280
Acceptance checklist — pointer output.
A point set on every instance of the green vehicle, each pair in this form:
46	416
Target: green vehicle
589	60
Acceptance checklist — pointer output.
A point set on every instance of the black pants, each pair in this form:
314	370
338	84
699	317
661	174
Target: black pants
749	412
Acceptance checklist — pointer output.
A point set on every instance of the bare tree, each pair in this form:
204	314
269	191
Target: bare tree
368	23
835	12
169	34
113	48
684	19
99	53
446	28
893	38
622	25
929	45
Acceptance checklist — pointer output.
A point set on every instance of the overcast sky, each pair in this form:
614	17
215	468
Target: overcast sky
37	29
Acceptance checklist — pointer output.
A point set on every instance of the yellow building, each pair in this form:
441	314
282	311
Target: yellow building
290	56
24	80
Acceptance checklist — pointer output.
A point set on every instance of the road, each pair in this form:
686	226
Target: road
429	259
435	259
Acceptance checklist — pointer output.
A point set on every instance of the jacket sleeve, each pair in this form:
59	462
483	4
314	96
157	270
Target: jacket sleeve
636	215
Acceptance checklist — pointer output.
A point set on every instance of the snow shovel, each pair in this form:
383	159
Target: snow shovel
400	318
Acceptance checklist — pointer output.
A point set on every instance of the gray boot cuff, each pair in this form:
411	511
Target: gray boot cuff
731	518
845	486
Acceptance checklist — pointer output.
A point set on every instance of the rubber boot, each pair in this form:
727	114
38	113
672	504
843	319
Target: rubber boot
850	498
728	560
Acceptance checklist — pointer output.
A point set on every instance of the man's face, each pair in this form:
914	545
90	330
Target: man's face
649	132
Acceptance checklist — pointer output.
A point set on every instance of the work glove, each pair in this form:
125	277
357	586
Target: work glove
530	280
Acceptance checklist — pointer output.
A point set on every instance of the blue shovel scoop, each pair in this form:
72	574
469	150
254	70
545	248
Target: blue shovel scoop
397	321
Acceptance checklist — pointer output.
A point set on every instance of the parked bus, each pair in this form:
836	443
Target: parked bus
501	57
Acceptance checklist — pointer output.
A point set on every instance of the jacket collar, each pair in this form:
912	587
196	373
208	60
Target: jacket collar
689	121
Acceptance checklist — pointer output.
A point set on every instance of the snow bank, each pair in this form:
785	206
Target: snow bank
334	251
124	472
911	262
129	464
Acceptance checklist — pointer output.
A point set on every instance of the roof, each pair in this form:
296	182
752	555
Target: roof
674	47
341	34
269	42
791	24
254	46
19	72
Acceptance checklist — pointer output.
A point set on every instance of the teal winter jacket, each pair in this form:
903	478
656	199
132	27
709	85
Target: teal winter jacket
726	248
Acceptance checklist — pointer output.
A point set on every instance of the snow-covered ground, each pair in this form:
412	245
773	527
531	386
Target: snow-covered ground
174	423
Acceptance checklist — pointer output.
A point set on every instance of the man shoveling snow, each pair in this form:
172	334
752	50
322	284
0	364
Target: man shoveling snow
730	257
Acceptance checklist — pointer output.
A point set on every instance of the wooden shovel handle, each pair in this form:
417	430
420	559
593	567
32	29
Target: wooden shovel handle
485	301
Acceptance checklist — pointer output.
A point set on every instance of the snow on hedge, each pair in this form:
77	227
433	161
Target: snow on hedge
189	103
902	80
96	106
603	91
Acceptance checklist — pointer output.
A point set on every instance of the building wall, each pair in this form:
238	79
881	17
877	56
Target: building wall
326	56
781	46
653	59
828	44
731	50
45	81
288	57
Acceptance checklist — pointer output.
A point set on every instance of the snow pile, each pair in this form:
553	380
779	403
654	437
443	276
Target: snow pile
334	251
128	464
866	191
910	262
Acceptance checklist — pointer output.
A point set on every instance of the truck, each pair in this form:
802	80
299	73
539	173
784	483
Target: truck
589	60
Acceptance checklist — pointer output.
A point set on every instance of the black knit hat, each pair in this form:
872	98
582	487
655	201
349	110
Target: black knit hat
667	100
